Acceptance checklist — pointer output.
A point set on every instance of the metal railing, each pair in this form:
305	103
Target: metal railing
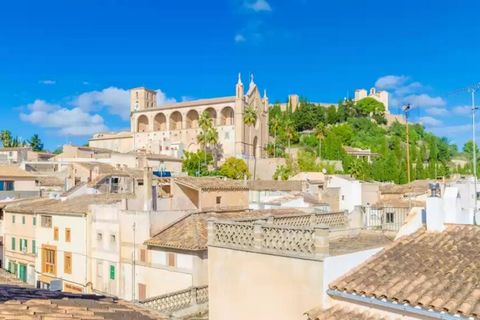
385	218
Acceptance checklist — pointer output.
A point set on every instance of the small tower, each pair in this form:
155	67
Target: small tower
142	98
239	87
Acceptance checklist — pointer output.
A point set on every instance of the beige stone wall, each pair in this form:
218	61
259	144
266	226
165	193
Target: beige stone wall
246	285
228	199
370	194
119	144
24	184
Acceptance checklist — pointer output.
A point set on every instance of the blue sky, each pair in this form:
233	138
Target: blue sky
65	66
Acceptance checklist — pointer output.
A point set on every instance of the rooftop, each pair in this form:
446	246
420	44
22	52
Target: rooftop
430	270
190	232
211	183
10	170
339	311
77	205
417	186
20	302
365	240
191	103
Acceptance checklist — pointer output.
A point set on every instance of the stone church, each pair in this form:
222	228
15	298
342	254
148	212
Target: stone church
172	129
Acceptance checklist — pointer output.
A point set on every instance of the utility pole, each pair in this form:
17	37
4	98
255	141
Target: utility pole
473	90
133	264
407	108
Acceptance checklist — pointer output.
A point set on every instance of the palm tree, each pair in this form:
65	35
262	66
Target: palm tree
250	119
275	126
289	131
205	122
211	138
320	131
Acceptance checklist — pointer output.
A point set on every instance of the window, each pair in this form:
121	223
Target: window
99	237
23	245
13	243
34	247
67	262
389	217
49	260
112	272
46	221
6	185
13	218
34	221
55	233
67	235
219	200
171	259
23	219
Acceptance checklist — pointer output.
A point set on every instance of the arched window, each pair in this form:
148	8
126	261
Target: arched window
192	119
176	121
226	118
142	123
159	122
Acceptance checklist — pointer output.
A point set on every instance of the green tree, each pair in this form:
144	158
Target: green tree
234	168
289	132
8	141
320	132
274	124
36	143
196	163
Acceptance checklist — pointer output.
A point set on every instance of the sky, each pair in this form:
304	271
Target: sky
66	66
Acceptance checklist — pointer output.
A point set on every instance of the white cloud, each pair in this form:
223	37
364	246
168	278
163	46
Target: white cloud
424	100
73	122
462	110
258	5
80	117
437	111
390	82
404	90
47	82
429	121
239	38
115	100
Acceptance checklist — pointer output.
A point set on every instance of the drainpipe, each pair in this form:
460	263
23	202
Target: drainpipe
396	307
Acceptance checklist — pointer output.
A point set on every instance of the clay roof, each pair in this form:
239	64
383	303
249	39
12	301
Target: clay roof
211	183
366	239
431	270
18	301
77	205
274	185
417	186
190	231
191	103
340	311
13	171
49	181
398	203
112	135
15	149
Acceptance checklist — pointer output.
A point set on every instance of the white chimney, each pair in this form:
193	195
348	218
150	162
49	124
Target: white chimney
147	188
435	215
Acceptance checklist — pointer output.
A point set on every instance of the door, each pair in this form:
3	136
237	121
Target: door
22	272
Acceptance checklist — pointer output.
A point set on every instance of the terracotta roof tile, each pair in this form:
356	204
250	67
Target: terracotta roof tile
344	312
439	271
10	170
211	183
190	232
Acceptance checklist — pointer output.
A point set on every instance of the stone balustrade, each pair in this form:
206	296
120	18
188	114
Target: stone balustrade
266	237
178	300
334	220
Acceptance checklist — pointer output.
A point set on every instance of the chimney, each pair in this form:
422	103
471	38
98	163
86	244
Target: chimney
147	188
435	216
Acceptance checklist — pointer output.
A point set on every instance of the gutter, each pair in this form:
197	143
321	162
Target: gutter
394	306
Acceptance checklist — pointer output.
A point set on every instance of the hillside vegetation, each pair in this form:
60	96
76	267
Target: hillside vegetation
320	133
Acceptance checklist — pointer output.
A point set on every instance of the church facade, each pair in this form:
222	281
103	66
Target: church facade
173	129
